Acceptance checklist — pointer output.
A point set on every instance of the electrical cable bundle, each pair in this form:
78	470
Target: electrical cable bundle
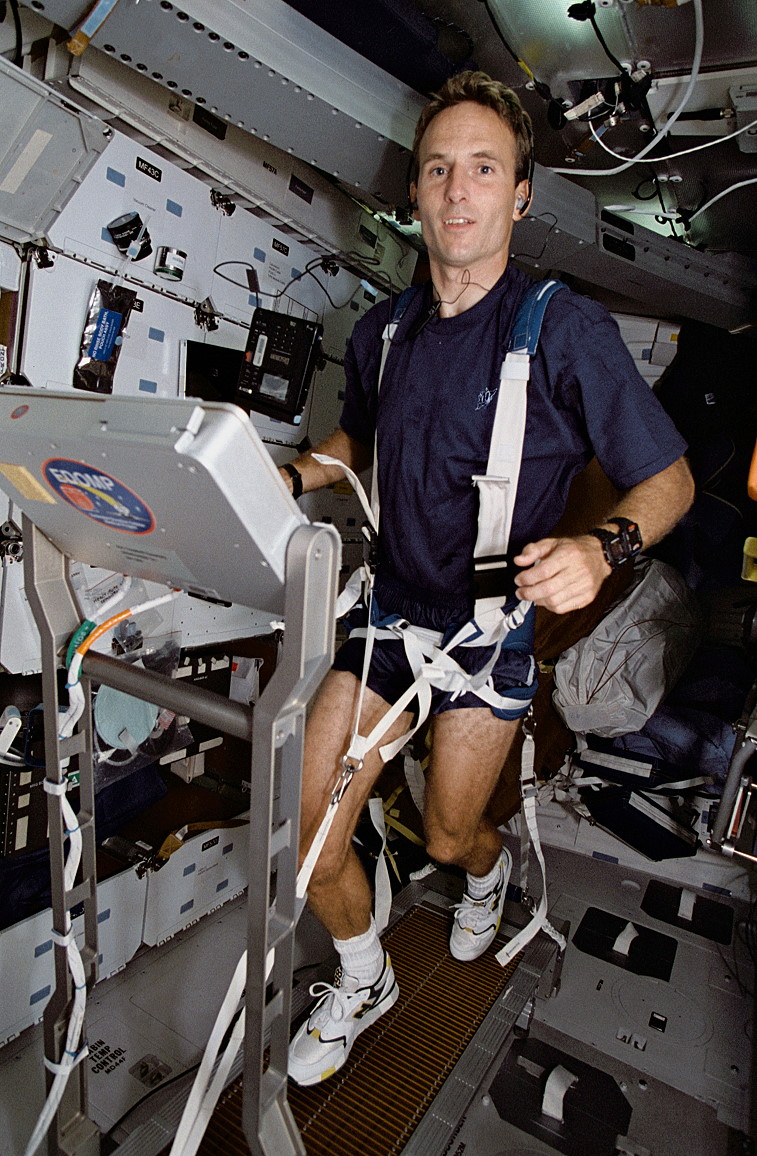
85	636
695	66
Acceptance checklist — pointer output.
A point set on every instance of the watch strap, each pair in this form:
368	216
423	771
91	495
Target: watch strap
296	477
630	532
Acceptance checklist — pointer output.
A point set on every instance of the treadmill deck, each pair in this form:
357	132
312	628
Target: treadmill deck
372	1106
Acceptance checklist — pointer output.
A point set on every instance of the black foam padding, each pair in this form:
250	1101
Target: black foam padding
711	918
595	1111
650	953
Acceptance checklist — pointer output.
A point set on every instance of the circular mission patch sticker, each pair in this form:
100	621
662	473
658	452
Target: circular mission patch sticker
98	496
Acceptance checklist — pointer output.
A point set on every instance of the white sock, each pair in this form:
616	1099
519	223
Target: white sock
477	886
362	956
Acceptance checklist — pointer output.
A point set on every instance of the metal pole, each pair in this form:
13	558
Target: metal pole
231	718
313	558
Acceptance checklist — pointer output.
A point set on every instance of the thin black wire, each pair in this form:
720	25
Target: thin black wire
650	180
539	255
262	292
498	30
603	42
663	220
307	272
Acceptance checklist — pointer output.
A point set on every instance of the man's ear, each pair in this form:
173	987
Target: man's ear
413	199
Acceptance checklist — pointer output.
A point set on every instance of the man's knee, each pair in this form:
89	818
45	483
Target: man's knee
448	846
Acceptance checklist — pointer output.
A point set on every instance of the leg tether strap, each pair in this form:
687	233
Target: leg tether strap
529	792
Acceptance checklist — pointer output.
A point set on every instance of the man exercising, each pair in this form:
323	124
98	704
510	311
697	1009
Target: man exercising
472	160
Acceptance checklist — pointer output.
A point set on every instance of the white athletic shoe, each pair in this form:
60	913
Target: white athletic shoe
323	1042
477	920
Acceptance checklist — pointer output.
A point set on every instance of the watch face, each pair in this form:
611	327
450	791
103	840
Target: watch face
616	550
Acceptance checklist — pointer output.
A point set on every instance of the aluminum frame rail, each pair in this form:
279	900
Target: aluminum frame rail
53	605
312	563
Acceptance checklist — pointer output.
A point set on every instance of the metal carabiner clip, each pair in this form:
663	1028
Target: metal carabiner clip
528	724
349	767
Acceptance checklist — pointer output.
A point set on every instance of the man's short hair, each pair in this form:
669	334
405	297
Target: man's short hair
481	89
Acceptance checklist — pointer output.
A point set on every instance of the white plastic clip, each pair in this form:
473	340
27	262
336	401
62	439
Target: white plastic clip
559	1082
686	905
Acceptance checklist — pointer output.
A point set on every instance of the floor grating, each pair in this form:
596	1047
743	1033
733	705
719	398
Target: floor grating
396	1068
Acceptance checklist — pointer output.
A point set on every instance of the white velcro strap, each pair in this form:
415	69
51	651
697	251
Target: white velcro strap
506	446
352	592
68	1062
559	1081
310	860
686	905
61	939
382	887
539	921
416	781
623	943
516	367
54	788
525	843
354	481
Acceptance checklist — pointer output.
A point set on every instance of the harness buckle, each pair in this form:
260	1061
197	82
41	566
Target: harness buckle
370	546
528	725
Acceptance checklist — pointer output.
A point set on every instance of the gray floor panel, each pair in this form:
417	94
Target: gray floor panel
705	1050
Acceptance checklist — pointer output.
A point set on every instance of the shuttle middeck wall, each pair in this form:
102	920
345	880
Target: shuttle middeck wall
175	205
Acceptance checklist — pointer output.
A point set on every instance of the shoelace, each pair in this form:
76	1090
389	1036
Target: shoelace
338	1007
477	911
474	911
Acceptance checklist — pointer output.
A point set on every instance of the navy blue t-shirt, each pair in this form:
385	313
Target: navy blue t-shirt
435	416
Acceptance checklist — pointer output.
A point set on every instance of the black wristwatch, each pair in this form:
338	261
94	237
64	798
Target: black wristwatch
296	477
619	548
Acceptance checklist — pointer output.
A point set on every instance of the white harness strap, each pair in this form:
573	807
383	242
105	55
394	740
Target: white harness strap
529	793
497	487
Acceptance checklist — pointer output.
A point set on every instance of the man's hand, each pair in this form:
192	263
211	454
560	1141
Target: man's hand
561	574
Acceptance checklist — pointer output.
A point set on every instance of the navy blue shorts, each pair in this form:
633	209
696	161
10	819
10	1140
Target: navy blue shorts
514	674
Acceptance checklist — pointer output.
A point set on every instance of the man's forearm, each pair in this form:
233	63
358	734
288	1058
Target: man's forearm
315	475
659	503
565	573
